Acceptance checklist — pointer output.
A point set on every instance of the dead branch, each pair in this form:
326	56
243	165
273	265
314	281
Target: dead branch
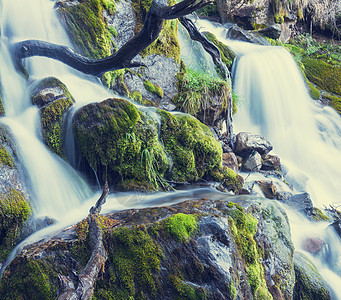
88	276
123	57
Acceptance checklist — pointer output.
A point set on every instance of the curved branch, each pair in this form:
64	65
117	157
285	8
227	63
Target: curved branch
123	57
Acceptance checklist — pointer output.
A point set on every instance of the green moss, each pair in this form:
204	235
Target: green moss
334	101
196	91
153	88
52	117
109	6
187	291
313	91
309	282
324	75
113	134
190	144
113	31
230	179
227	55
32	279
133	261
318	215
181	227
87	27
14	211
243	228
6	158
209	10
115	80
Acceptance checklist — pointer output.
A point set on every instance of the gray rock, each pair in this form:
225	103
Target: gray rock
309	282
273	31
274	238
253	163
236	33
124	21
271	162
246	143
300	202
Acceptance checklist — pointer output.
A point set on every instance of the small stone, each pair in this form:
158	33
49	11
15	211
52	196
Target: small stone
246	143
230	161
271	162
268	188
253	163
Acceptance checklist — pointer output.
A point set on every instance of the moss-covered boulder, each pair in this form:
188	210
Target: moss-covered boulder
198	249
54	99
135	151
309	282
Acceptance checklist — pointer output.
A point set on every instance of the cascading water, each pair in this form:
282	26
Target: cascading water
274	103
55	187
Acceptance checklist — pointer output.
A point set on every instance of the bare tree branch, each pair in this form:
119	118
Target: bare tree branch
123	57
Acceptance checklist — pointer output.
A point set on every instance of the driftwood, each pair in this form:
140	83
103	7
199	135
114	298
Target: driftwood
88	276
123	57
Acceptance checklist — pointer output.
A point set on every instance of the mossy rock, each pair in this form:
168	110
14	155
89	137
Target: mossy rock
334	101
309	282
191	145
117	139
227	55
230	179
318	215
115	135
244	227
87	26
324	75
6	158
54	99
48	90
14	211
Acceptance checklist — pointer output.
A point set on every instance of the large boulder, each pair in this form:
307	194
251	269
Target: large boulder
246	143
198	249
138	149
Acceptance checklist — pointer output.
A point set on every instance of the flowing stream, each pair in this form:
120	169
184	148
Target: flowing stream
274	103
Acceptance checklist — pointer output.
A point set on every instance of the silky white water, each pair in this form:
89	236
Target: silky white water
55	187
274	102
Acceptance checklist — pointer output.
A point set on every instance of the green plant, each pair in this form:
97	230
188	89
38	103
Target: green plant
197	90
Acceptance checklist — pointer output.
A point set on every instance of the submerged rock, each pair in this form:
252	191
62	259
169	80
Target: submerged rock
199	249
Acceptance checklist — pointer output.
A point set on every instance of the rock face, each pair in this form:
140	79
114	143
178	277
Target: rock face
199	249
54	99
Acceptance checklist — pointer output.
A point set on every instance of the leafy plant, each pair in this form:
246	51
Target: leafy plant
197	90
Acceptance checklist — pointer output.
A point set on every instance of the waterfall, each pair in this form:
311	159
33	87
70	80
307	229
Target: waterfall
274	103
55	187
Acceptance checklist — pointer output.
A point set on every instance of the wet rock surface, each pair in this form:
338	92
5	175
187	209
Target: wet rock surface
208	259
246	143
